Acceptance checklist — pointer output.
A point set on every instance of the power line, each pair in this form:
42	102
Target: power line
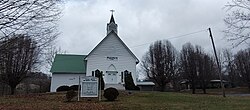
183	35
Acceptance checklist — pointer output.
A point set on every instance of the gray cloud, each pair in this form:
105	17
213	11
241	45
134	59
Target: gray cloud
83	24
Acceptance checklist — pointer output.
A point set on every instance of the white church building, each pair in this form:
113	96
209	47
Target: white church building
111	56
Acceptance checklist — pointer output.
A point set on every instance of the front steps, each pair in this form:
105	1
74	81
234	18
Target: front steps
117	86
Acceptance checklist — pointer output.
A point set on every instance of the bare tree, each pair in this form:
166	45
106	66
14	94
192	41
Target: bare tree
197	67
34	17
233	75
50	54
242	63
160	63
188	65
17	60
237	21
206	70
27	29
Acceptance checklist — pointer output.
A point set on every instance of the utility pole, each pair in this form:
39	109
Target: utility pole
216	57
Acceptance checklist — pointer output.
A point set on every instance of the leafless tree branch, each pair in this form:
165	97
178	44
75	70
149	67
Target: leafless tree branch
237	21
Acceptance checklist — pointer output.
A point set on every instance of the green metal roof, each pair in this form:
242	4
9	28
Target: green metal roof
66	63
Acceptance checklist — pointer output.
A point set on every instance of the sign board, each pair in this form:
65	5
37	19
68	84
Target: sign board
89	86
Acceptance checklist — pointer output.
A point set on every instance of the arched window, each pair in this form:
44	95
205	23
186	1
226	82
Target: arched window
111	68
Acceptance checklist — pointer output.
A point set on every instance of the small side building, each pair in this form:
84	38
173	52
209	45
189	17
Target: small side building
66	70
146	86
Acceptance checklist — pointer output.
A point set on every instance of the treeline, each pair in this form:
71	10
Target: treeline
164	65
19	58
35	82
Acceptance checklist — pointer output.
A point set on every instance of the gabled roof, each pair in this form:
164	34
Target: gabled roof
112	32
66	63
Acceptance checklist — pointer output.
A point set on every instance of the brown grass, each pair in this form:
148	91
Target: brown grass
125	101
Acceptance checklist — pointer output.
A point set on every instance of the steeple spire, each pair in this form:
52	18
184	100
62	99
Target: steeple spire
112	17
111	26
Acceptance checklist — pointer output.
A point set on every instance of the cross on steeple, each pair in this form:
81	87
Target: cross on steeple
112	17
112	11
112	26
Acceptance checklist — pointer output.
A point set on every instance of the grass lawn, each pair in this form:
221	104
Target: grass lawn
125	101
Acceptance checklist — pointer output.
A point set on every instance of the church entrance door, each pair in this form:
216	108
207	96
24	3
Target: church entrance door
111	77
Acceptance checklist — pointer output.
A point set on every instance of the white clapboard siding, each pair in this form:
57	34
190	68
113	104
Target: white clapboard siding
111	46
67	79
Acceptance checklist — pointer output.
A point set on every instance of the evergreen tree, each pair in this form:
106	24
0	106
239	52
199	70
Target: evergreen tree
100	77
129	82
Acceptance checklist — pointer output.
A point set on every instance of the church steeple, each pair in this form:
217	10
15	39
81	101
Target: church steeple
112	19
111	26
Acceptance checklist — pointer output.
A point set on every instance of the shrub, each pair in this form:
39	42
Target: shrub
70	95
129	82
62	88
101	81
137	88
75	87
111	94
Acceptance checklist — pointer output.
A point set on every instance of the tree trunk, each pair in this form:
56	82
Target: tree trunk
204	87
12	90
175	86
3	90
162	88
204	90
249	86
193	88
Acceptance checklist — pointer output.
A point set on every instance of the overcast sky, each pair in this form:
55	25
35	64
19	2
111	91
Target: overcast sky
141	22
